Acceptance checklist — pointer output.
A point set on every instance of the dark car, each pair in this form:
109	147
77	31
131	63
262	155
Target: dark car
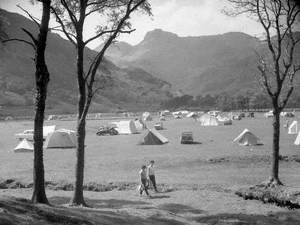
102	131
186	138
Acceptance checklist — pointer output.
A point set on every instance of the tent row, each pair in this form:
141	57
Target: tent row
61	138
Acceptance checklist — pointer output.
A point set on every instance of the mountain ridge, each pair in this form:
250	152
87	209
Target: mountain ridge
198	65
17	75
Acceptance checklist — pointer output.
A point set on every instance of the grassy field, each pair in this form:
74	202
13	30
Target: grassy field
118	158
209	173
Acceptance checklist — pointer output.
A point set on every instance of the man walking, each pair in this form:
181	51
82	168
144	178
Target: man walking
151	174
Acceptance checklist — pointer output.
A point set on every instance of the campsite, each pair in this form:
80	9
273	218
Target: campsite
212	170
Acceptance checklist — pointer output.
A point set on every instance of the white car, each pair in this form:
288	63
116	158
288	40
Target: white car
26	134
269	114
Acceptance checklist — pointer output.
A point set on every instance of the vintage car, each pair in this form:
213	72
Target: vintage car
106	130
187	138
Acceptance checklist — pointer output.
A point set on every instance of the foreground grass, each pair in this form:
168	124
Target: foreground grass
210	205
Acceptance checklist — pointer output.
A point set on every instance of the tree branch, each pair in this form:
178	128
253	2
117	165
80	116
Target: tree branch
30	35
35	20
59	20
20	40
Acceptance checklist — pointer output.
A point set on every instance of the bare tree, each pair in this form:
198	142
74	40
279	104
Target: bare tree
71	17
277	67
41	81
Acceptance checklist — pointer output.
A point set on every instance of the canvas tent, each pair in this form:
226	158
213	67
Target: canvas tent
208	120
24	146
125	127
297	141
191	115
247	138
147	116
139	125
293	128
61	139
28	134
222	119
153	137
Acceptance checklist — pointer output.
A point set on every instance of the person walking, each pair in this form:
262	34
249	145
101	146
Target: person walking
144	181
151	174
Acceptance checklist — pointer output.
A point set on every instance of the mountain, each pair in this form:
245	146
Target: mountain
197	65
128	89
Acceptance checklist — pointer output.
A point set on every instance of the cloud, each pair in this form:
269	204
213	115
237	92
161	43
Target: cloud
183	17
190	18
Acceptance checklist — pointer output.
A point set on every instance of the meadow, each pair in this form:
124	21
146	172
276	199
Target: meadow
201	178
217	161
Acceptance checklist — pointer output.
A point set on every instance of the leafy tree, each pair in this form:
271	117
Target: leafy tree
277	67
71	16
41	81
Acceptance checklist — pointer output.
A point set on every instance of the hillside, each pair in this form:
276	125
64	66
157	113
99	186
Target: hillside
197	65
128	89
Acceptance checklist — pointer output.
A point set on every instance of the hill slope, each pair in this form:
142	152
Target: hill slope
130	89
197	65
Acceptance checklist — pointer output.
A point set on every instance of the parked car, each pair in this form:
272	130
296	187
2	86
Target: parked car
187	138
103	130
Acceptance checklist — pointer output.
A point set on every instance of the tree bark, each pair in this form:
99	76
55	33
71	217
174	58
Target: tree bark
78	198
274	178
42	79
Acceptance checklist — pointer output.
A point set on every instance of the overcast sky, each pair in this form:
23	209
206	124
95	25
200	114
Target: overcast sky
183	17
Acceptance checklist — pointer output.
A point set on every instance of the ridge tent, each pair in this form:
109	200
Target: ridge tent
297	141
293	128
61	139
153	137
24	146
147	116
125	127
208	120
247	138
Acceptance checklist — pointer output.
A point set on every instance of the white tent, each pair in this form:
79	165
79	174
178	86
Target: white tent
293	128
297	141
61	139
147	116
139	125
24	146
222	119
191	114
153	137
125	127
247	138
28	134
208	120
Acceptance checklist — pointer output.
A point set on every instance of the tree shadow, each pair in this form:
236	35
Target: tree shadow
179	208
159	196
19	212
101	203
282	218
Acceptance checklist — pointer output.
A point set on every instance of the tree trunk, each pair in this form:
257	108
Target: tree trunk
78	198
42	79
274	179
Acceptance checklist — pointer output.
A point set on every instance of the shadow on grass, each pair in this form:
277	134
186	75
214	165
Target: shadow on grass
101	203
22	212
159	196
282	218
179	208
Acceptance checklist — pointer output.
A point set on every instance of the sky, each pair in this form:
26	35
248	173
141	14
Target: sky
183	17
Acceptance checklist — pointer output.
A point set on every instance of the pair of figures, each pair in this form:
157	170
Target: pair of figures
147	175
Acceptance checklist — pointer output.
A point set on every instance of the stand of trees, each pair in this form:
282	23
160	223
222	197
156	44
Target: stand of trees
226	102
